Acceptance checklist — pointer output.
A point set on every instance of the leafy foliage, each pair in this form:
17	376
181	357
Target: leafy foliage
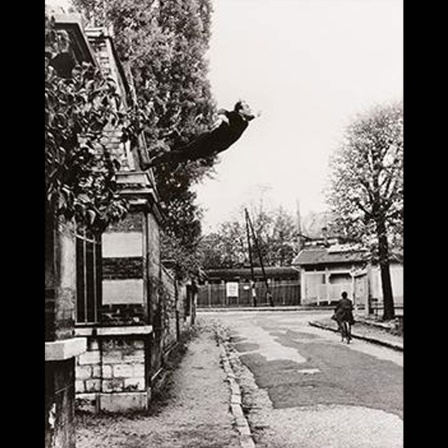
366	193
79	171
225	248
165	45
228	247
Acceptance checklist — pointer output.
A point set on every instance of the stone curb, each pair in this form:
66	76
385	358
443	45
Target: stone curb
241	423
378	325
364	338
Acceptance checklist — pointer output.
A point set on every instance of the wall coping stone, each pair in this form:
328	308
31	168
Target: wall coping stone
64	349
114	331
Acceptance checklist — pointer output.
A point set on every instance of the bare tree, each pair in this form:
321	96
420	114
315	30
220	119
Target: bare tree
366	188
276	235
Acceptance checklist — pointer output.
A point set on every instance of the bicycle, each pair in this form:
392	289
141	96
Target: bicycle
346	331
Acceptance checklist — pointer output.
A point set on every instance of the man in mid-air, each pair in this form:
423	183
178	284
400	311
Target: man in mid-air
219	138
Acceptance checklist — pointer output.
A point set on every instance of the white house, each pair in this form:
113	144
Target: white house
325	272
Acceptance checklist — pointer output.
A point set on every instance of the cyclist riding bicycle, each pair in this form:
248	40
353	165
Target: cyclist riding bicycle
343	313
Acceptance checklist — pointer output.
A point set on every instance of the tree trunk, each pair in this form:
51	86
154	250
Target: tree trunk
386	282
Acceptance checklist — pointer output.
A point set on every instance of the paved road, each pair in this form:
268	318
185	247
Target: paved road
318	392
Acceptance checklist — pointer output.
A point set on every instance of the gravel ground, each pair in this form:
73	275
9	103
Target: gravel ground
194	413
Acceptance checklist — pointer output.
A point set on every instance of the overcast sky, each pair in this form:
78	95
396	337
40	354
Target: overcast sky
308	66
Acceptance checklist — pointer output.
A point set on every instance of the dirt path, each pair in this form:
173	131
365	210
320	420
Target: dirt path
195	415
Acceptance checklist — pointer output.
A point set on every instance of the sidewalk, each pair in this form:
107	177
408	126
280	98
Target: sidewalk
367	330
195	412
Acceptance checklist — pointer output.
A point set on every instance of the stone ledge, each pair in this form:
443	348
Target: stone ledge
114	331
64	349
123	402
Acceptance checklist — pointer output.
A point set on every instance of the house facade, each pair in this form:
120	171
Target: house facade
327	271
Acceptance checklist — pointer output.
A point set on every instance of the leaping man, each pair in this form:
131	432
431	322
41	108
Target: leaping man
225	133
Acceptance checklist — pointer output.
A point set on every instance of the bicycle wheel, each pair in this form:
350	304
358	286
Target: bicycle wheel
349	332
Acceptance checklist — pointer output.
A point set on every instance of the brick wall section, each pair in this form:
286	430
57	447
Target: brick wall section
182	307
153	273
106	60
108	66
112	140
123	314
170	330
101	52
153	247
132	222
121	268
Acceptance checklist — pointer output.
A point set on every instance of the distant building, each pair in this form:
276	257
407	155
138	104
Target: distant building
326	271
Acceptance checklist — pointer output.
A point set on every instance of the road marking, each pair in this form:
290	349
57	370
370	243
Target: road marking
308	371
269	348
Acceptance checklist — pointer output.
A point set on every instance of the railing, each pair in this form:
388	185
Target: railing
88	278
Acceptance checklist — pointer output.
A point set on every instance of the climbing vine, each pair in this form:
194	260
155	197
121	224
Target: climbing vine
165	44
80	172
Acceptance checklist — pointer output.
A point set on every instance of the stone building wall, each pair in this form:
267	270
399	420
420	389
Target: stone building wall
125	348
113	374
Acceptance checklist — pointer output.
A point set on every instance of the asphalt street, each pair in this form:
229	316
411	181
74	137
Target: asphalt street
316	391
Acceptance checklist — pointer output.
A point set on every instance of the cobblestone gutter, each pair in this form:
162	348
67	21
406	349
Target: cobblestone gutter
222	337
236	407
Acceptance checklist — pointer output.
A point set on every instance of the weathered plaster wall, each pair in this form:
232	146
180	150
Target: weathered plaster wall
60	296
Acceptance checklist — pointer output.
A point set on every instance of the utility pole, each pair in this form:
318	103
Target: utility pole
257	246
252	274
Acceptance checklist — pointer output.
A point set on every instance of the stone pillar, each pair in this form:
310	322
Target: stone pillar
124	299
113	375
